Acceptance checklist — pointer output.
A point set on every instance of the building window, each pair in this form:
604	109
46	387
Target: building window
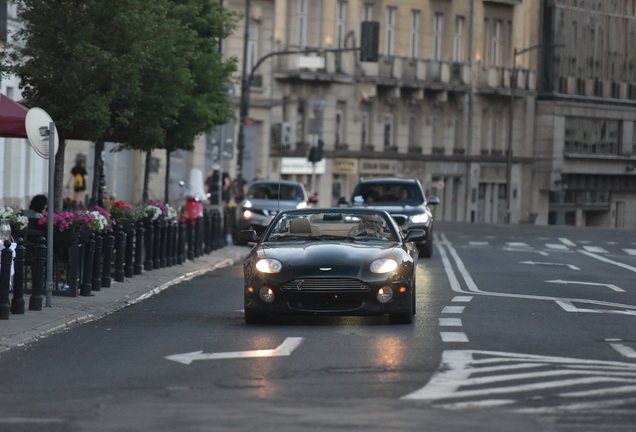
340	121
389	39
300	122
364	129
592	136
494	134
437	36
485	115
458	43
301	23
414	34
341	24
252	45
367	12
459	129
413	136
388	130
495	43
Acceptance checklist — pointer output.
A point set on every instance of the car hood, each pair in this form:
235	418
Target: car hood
399	209
273	205
326	259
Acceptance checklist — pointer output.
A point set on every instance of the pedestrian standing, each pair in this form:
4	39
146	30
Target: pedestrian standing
78	178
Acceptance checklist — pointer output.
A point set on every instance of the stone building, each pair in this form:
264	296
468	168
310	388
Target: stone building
436	106
585	143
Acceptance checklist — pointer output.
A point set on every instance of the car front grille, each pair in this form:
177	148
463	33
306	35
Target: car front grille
325	285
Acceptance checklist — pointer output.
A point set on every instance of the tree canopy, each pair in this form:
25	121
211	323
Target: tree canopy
139	72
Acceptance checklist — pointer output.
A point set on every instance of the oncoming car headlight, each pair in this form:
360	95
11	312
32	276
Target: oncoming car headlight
301	205
420	218
269	265
247	204
383	265
247	215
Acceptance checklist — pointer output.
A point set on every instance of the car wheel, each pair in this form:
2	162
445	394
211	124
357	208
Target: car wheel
254	318
235	238
427	250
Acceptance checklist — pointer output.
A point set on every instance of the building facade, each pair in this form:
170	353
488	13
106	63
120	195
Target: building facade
437	105
586	113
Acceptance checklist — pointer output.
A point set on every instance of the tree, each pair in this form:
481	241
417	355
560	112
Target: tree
206	104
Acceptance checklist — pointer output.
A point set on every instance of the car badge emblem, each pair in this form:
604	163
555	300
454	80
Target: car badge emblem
325	268
299	285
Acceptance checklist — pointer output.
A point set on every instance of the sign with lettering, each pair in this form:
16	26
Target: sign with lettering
345	166
377	166
300	165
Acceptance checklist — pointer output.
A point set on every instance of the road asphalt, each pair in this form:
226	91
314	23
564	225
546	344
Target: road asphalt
68	311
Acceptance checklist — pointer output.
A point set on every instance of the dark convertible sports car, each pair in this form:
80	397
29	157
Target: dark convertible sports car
331	261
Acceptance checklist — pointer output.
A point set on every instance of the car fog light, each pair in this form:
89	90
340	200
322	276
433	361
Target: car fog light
385	294
247	215
267	294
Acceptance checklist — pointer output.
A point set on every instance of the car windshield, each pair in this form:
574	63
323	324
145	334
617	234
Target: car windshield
378	194
341	225
269	191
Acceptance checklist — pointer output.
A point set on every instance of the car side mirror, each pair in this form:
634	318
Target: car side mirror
248	236
433	201
414	234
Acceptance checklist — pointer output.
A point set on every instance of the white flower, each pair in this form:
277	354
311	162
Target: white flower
153	212
23	221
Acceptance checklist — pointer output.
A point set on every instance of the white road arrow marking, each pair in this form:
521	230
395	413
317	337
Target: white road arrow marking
630	252
624	350
564	282
284	349
569	307
573	267
595	249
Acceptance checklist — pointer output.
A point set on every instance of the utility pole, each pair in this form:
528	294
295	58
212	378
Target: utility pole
244	98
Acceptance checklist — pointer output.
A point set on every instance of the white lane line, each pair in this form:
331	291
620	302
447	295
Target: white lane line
478	243
564	282
595	249
567	242
556	246
607	260
453	337
450	322
600	392
453	309
573	267
630	252
518	244
624	350
462	299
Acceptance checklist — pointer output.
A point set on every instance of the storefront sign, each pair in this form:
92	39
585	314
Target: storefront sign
345	166
376	166
300	165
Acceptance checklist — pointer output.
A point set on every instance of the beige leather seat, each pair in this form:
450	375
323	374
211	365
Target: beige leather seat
302	227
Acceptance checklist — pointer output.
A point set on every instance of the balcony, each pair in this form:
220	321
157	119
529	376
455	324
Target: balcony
497	78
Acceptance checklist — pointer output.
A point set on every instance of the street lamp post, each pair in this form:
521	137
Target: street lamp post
511	116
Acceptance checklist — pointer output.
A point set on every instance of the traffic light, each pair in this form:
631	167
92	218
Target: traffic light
369	41
316	152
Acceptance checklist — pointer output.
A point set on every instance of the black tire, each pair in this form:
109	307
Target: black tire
427	250
254	318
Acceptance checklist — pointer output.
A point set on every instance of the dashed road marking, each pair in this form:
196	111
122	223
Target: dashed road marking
557	246
595	249
454	337
462	299
573	267
630	252
624	350
567	242
450	322
453	309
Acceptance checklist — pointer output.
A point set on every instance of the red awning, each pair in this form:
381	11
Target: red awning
12	116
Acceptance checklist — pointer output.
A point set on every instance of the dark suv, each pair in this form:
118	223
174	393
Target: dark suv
404	199
264	199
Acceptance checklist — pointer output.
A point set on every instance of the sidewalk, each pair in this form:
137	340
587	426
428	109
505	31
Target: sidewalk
68	311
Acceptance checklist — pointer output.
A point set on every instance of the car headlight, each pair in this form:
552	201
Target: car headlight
420	218
269	265
301	205
247	214
247	204
383	265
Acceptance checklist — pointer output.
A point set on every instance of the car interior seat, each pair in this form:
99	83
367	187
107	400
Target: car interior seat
301	226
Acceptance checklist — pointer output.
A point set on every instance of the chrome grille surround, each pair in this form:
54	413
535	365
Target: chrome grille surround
325	285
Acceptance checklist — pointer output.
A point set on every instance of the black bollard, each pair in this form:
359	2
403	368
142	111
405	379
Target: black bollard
156	253
97	261
130	252
216	230
181	230
190	239
198	237
35	301
164	244
206	232
109	242
89	254
169	245
150	234
175	243
6	262
17	302
139	248
120	253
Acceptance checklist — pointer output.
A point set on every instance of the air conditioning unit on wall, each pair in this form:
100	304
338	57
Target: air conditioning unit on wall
282	133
